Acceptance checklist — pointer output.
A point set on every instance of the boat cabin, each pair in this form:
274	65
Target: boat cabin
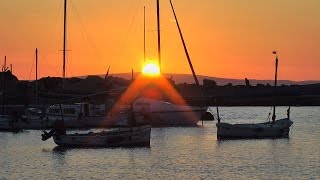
77	110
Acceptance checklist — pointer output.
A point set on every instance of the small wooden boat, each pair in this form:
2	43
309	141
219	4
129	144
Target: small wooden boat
279	128
131	136
122	137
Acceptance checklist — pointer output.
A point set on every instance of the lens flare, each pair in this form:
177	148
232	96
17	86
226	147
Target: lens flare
158	87
151	69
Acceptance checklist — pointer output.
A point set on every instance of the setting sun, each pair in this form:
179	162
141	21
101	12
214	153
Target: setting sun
151	69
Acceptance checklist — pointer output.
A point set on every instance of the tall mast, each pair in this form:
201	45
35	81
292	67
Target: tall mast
64	41
144	33
188	57
275	85
37	79
5	63
4	84
132	75
185	47
158	29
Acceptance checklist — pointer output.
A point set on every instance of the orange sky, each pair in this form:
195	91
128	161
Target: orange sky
225	38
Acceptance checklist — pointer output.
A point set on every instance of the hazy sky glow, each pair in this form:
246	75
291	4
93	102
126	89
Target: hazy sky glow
225	38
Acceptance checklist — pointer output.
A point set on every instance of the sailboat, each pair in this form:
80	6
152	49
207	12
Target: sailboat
279	128
162	113
76	115
30	118
8	122
130	136
33	118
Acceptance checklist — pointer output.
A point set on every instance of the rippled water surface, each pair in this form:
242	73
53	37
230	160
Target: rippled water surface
183	153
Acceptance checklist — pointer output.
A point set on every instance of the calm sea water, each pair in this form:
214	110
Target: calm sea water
182	153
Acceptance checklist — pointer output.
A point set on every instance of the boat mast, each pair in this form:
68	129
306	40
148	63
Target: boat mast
218	116
188	57
275	85
4	84
5	64
37	80
132	75
158	29
107	74
144	34
64	41
185	47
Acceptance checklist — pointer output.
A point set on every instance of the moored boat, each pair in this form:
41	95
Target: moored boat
131	136
122	137
279	129
76	115
165	114
272	129
160	113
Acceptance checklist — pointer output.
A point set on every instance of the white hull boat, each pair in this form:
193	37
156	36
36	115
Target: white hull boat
160	113
33	119
80	115
156	113
275	129
278	129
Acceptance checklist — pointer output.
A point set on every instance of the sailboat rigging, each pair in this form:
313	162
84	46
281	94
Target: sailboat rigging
187	54
144	34
64	42
164	113
185	47
37	79
158	33
275	85
128	136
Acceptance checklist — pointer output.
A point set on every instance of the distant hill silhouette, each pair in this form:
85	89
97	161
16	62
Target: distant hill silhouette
188	78
221	91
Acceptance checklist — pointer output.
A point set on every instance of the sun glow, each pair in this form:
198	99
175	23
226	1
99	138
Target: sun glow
151	69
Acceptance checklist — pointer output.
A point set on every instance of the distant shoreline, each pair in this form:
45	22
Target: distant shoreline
188	78
50	91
